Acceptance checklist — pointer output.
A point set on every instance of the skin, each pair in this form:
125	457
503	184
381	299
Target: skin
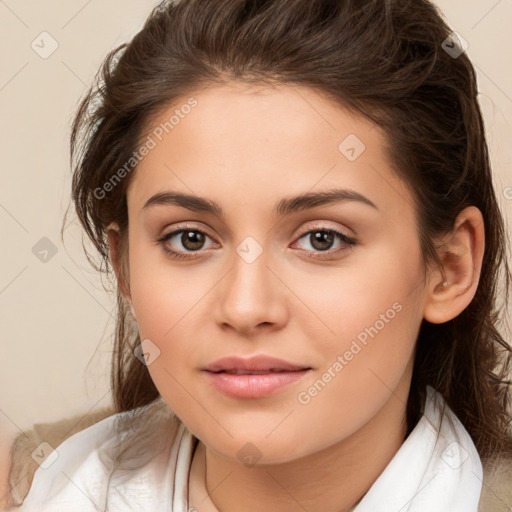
246	149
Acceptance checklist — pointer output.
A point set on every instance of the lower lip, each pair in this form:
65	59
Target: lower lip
253	386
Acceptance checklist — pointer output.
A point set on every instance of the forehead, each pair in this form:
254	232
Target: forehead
263	142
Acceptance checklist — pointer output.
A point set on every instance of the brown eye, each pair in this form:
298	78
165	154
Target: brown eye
322	240
183	243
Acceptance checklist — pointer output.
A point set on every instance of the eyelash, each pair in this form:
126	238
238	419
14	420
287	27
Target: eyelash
351	242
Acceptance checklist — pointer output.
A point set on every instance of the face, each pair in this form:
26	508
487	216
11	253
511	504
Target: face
333	286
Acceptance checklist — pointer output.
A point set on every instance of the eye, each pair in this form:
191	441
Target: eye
322	239
190	239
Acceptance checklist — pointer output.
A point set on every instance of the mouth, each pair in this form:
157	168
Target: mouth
253	378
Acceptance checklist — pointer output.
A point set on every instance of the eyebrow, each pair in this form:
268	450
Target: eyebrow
284	207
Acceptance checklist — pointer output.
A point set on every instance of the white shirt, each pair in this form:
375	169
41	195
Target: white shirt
437	468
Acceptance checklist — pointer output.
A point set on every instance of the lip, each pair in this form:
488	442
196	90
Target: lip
277	375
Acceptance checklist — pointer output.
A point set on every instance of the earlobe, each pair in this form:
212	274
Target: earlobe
461	255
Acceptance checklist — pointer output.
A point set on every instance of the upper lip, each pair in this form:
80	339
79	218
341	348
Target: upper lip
255	363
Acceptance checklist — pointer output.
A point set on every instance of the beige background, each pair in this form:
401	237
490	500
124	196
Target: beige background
56	317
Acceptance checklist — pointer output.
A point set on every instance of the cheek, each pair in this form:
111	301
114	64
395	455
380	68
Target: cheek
373	314
167	305
162	294
376	294
163	302
372	349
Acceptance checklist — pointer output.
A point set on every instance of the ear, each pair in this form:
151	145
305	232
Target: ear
451	289
119	261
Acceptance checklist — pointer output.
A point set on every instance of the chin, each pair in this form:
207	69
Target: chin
251	450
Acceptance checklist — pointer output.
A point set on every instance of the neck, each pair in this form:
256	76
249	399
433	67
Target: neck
332	480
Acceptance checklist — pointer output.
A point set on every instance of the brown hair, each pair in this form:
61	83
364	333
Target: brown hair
383	58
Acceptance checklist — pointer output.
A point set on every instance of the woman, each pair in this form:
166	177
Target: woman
297	202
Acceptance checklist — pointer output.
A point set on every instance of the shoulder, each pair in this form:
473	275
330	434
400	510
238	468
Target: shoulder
76	474
74	469
497	486
495	476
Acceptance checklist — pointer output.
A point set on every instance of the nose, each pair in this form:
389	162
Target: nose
251	296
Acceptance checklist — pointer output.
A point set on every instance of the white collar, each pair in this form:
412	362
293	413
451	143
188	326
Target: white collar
437	468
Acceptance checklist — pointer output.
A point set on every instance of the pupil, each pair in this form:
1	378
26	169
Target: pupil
192	240
323	238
